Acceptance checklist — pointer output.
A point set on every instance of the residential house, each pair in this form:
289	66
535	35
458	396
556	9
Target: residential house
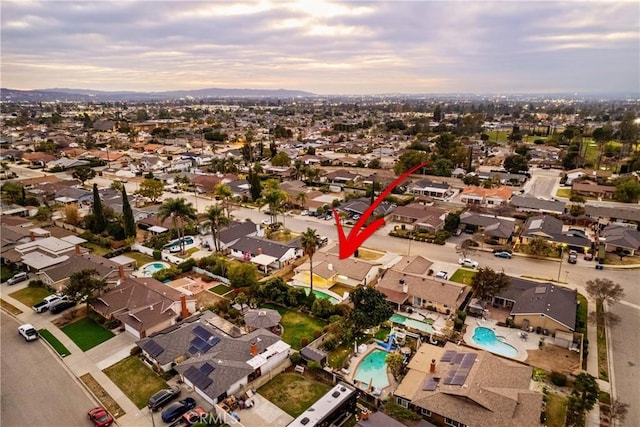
550	229
66	163
422	291
214	364
528	203
474	195
152	163
504	178
341	177
423	218
144	305
534	304
14	233
239	188
491	226
329	270
38	254
360	205
459	386
426	187
38	159
58	275
605	214
265	253
621	236
591	189
232	233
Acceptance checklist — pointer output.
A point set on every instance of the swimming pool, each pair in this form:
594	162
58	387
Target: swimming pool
152	267
411	323
322	295
487	339
174	246
373	370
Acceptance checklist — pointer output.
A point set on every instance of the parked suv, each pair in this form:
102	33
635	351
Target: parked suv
161	398
17	278
573	257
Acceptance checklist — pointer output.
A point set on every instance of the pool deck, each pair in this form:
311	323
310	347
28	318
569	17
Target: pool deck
510	335
354	362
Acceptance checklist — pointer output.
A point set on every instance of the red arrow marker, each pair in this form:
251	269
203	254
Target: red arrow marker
348	245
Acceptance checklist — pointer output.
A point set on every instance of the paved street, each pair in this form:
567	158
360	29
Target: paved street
36	389
542	183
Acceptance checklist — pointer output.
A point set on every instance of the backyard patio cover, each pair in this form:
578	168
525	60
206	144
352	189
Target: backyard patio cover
263	259
157	229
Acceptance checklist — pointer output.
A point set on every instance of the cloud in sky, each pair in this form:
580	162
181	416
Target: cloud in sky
326	47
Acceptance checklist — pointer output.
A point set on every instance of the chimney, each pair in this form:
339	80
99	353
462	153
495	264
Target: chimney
77	247
184	313
432	368
254	349
121	271
330	267
32	236
259	251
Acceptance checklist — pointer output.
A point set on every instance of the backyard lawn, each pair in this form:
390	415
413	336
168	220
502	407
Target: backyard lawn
339	355
141	259
220	289
96	249
556	410
463	276
30	296
135	379
293	392
297	325
86	333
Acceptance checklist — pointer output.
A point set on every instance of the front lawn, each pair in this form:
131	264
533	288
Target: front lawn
136	380
603	364
220	289
54	342
556	410
293	393
463	276
564	192
297	325
368	254
86	333
30	296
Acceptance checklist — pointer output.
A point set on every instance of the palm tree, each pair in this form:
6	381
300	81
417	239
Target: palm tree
215	214
180	213
273	198
310	243
301	198
224	192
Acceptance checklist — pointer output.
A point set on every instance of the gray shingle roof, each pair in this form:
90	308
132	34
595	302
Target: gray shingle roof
268	247
533	203
237	230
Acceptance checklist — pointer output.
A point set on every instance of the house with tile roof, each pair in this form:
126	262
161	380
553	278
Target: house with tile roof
591	189
474	195
329	270
421	217
460	386
214	364
144	305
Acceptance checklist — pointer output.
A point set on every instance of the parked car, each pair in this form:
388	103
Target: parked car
457	232
503	254
17	278
100	417
442	275
573	257
197	414
266	222
45	304
61	305
467	262
176	409
305	213
588	256
161	398
28	332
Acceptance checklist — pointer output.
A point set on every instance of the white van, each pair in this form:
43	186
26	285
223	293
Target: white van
17	278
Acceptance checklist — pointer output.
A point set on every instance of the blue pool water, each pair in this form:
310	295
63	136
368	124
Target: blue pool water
487	339
322	295
152	267
411	323
174	245
373	366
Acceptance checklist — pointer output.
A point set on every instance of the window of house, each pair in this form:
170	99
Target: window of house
454	423
403	402
425	412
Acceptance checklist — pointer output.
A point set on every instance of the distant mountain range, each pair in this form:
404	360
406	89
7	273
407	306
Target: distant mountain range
86	95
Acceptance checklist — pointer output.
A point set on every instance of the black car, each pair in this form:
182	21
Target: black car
176	409
161	398
62	305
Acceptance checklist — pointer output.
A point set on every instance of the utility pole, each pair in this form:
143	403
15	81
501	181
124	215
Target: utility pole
560	268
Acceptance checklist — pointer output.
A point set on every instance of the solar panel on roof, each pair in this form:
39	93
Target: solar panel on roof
468	360
203	382
459	380
429	385
193	350
207	369
448	379
213	341
201	332
201	345
153	348
446	357
457	358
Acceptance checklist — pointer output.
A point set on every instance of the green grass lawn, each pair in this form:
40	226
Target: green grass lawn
556	410
581	315
339	355
135	379
293	393
297	325
30	296
220	289
96	249
54	342
462	275
141	259
5	273
86	333
564	192
603	364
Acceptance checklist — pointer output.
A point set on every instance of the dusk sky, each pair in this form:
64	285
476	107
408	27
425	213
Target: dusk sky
324	47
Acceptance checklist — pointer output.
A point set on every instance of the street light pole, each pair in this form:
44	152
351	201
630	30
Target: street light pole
560	268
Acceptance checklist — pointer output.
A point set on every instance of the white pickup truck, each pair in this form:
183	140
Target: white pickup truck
44	305
28	332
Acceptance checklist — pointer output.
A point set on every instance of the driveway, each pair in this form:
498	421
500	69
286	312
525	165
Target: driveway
264	413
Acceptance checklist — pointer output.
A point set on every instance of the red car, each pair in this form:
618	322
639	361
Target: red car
100	417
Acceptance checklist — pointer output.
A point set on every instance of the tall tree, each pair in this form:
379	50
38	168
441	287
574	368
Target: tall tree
127	216
85	285
243	275
180	213
301	198
370	308
152	189
99	219
516	163
83	174
216	215
255	189
584	396
224	192
488	283
273	198
605	290
310	242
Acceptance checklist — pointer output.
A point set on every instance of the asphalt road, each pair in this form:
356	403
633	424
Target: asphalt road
542	183
36	389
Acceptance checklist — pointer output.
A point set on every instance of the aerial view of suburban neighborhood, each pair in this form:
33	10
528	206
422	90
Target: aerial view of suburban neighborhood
347	234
